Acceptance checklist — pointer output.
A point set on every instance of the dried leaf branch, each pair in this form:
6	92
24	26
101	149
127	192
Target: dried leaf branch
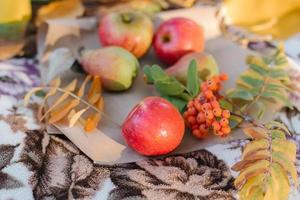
66	106
266	163
269	159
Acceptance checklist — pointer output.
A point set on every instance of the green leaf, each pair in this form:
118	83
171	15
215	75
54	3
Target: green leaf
192	79
279	74
225	104
254	82
279	96
234	121
277	134
170	87
178	103
261	108
259	69
148	74
240	94
158	74
184	96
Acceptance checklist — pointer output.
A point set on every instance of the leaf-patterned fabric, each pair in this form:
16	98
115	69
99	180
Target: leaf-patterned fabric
36	165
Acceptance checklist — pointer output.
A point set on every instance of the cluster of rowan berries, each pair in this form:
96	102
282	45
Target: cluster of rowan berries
204	113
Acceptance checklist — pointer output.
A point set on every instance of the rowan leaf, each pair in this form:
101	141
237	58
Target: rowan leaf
225	104
286	164
240	94
265	165
255	145
251	171
75	117
255	132
80	92
94	92
69	88
255	193
286	147
251	183
62	110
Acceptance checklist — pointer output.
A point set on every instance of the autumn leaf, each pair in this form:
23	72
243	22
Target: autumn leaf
65	107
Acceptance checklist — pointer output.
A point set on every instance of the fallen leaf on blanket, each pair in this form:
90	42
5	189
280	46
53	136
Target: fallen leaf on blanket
59	9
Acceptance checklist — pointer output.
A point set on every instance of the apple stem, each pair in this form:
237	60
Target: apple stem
126	17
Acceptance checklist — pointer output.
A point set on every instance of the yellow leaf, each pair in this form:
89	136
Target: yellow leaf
251	171
92	122
71	113
270	189
252	182
30	93
286	164
251	158
255	145
275	124
70	87
60	9
288	148
94	119
255	132
95	90
54	85
75	117
100	103
62	111
256	193
80	92
280	181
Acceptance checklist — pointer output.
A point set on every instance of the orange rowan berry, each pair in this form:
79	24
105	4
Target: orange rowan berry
208	122
224	122
192	111
219	133
206	107
226	114
191	120
190	104
226	130
217	112
209	114
215	104
212	85
203	128
209	94
216	126
201	117
204	86
198	106
200	134
223	77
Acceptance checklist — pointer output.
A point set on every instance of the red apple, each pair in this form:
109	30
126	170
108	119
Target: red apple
176	37
131	30
153	127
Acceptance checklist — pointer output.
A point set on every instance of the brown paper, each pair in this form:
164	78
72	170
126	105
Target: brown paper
106	144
